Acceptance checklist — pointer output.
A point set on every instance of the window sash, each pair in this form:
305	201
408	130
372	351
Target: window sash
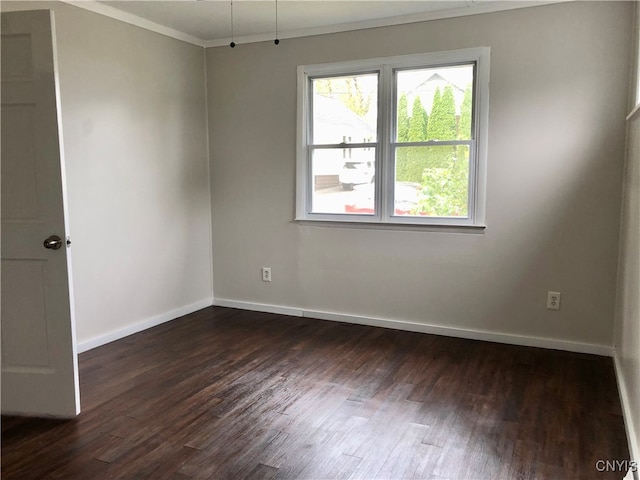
474	91
433	220
353	73
310	180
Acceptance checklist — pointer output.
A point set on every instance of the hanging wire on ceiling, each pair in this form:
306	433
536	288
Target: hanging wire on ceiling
276	41
232	44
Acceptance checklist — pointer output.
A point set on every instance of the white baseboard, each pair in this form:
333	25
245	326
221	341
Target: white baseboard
258	307
142	325
485	335
21	413
632	435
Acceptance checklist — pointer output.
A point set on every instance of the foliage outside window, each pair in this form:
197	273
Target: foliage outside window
394	140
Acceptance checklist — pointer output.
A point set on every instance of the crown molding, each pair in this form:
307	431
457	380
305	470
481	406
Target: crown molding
474	7
135	20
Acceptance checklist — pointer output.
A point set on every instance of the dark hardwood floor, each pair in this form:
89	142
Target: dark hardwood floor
229	394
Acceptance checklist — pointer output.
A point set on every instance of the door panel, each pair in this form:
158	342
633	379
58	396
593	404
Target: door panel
24	339
19	182
39	360
18	64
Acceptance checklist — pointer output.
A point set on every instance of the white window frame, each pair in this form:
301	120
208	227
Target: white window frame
386	68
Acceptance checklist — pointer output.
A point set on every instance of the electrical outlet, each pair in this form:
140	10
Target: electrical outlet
266	274
553	300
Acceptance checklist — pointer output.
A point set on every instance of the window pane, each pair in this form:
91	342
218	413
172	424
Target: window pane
345	109
432	181
343	180
434	104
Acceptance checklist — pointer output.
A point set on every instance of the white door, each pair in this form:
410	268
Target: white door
39	360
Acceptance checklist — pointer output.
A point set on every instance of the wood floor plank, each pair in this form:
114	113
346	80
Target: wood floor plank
230	394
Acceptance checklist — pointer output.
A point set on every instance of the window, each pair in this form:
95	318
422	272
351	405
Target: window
398	140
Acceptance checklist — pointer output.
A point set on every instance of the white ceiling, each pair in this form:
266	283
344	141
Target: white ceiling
208	22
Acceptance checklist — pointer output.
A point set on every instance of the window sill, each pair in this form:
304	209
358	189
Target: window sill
407	227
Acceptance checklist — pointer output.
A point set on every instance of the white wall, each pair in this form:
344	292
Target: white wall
134	125
627	334
556	150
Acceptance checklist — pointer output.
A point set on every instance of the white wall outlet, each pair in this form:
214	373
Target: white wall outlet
266	274
553	300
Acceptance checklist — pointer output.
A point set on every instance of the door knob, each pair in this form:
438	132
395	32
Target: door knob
54	242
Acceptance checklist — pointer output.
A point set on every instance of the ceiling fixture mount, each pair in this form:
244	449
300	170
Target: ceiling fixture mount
276	41
233	44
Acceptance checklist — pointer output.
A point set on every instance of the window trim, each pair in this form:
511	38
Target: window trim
387	101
